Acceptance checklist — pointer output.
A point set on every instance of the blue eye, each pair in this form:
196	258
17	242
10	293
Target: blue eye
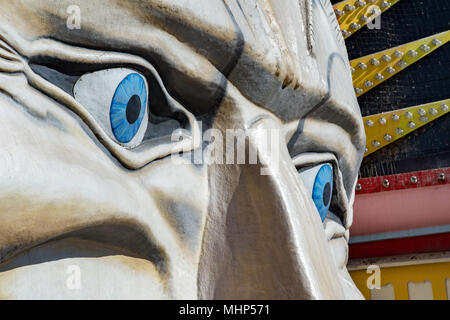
128	107
319	180
323	190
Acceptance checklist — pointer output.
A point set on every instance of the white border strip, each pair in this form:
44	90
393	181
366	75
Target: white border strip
400	234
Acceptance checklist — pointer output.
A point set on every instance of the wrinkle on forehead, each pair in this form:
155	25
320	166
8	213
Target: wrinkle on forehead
192	49
188	74
258	44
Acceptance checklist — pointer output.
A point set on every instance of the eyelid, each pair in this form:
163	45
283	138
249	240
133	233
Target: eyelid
309	174
339	201
306	159
131	158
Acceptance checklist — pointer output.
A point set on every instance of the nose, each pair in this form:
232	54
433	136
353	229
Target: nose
265	240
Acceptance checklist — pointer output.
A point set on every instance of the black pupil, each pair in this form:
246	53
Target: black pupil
326	194
133	109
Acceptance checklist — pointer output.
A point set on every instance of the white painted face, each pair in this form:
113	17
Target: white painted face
99	200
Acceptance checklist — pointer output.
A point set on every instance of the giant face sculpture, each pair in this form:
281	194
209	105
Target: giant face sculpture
92	178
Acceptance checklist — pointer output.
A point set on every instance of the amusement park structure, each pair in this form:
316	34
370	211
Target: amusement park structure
401	227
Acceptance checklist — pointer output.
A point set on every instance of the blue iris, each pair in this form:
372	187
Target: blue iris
128	107
323	190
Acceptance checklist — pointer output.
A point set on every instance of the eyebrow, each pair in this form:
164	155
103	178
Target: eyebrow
327	96
347	119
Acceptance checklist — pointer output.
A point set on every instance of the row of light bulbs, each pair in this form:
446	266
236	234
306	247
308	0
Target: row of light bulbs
413	180
390	69
359	3
411	124
348	8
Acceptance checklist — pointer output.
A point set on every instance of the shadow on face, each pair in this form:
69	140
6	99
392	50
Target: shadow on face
108	162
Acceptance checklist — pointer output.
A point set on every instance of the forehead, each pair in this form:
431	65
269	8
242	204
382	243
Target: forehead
264	47
285	56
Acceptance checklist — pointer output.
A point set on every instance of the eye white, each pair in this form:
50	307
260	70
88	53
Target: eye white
308	177
95	92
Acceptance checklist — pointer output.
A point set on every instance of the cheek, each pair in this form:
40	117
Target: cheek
181	192
339	250
77	269
51	156
56	178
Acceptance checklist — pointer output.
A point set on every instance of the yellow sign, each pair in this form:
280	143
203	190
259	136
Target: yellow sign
402	280
384	128
352	15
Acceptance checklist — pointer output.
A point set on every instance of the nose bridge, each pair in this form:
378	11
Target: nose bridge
289	206
266	239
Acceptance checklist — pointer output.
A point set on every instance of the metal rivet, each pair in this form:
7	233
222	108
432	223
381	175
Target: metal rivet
368	83
369	123
422	112
352	69
360	3
358	90
390	70
395	117
387	137
433	111
375	143
424	48
363	19
423	119
346	33
412	125
362	66
408	115
386	183
398	53
441	176
444	107
399	131
355	26
349	7
358	187
385	4
414	180
374	62
366	150
379	77
436	42
382	121
386	58
402	63
412	53
339	13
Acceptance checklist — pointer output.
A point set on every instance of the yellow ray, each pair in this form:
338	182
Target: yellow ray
387	127
371	70
352	15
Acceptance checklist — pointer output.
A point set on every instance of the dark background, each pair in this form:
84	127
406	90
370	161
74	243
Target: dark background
425	81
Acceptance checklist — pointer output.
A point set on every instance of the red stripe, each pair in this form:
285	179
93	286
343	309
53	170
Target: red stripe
401	210
400	181
394	247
